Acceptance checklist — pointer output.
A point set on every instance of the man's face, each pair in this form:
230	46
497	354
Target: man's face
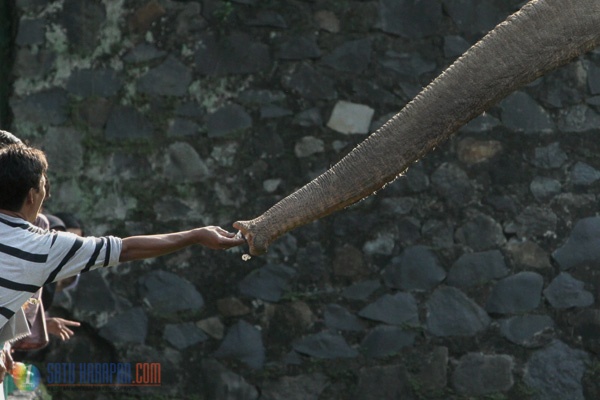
41	194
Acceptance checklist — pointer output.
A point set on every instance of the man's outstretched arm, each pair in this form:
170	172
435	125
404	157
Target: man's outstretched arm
150	246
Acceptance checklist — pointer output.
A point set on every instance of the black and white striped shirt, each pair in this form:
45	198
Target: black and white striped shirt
30	257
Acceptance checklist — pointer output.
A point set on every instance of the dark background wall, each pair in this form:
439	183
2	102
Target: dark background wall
473	276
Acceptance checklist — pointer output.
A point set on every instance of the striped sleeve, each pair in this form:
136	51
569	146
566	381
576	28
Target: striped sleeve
71	254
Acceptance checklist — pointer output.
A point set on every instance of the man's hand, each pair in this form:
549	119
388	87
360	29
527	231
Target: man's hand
149	246
217	238
60	327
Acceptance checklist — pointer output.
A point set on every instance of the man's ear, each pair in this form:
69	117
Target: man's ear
30	199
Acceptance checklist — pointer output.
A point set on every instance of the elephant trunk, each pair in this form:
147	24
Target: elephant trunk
542	36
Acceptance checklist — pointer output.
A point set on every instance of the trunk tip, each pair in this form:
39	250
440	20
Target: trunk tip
257	241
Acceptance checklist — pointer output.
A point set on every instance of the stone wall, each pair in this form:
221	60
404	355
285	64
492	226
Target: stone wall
473	276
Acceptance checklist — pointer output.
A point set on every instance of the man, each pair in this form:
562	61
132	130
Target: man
31	257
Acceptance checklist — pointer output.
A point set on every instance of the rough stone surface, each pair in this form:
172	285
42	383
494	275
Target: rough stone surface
480	374
476	268
451	313
515	294
160	116
167	293
555	372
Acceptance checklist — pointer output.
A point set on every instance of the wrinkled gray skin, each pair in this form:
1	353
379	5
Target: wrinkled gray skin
542	36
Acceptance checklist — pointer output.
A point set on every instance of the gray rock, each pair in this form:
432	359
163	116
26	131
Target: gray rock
349	263
309	83
593	79
243	342
183	127
228	120
237	53
455	46
309	118
142	53
480	233
93	295
408	65
410	19
593	101
183	164
565	292
451	313
579	118
483	123
416	268
384	382
308	146
549	157
301	387
370	92
274	111
480	374
353	56
31	32
528	330
544	188
382	244
515	294
83	23
299	48
582	246
398	205
338	317
171	78
350	118
222	383
32	64
385	341
528	254
327	21
167	293
432	369
268	18
361	290
583	174
125	122
477	268
324	345
171	209
533	222
94	82
453	184
128	327
267	283
395	309
555	372
64	151
522	114
47	107
472	18
441	233
213	326
586	326
183	335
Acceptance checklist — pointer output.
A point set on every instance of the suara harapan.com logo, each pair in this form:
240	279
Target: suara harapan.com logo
103	374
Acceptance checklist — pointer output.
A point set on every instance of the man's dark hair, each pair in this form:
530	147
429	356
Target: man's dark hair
7	138
21	169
